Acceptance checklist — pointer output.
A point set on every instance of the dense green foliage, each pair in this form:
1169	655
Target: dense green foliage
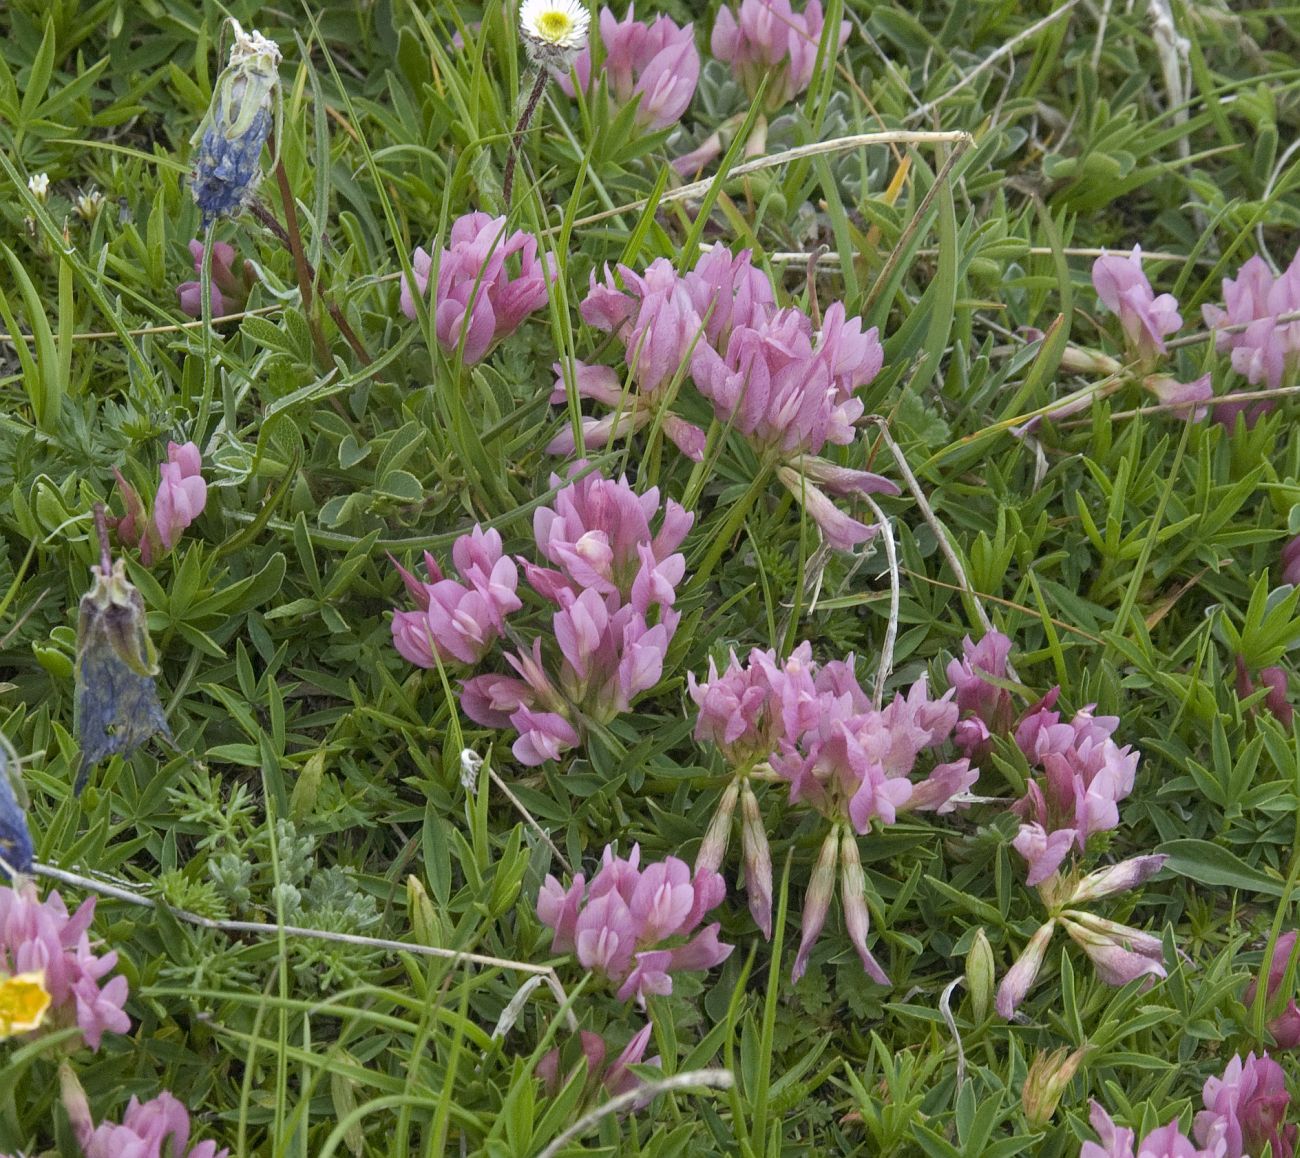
1130	556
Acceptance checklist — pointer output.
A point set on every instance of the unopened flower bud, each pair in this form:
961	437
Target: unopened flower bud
979	976
714	846
1016	984
758	861
425	923
1116	878
39	184
817	900
1049	1074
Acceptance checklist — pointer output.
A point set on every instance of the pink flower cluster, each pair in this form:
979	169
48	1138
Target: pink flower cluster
1267	350
1119	953
229	289
986	708
40	936
182	494
850	761
767	38
657	65
158	1128
1147	319
634	926
458	620
1283	1019
1245	1110
613	1077
613	582
768	374
479	299
1085	776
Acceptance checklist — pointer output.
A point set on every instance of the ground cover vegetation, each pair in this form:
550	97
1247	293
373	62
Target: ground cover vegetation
692	580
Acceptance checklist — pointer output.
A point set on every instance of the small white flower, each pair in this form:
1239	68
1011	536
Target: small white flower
88	204
470	763
554	30
39	184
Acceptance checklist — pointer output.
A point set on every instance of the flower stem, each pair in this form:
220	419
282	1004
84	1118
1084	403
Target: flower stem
525	118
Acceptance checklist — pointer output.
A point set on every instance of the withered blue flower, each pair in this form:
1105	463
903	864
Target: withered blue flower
238	122
117	707
15	839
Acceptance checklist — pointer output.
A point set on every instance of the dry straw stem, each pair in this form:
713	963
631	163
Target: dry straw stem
545	972
712	1079
886	664
932	521
798	153
529	819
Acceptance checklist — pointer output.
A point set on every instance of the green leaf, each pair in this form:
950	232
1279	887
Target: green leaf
1208	864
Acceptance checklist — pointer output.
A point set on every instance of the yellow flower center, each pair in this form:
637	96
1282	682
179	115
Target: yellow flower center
554	26
23	1002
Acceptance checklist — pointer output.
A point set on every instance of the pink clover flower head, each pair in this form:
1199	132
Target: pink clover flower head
598	535
974	693
657	324
1247	1107
747	711
1085	776
855	763
40	936
1291	562
655	64
637	926
1125	290
229	289
1267	350
767	37
1283	1020
479	296
1120	954
158	1128
728	292
458	620
611	653
182	493
790	391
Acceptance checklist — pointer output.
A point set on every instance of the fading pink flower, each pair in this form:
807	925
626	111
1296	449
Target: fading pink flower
635	926
1246	1107
1283	1019
1265	350
459	620
229	289
1124	290
40	936
614	1077
657	65
767	38
158	1128
182	492
479	298
1120	954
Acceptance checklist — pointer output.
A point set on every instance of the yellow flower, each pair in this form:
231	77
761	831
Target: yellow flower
23	1002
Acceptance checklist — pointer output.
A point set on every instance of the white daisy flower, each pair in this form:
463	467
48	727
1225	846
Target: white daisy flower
554	31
